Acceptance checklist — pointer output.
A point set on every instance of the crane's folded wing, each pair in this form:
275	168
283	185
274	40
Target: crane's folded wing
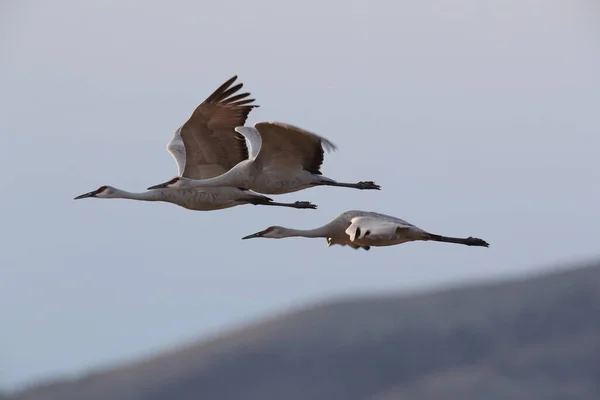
373	229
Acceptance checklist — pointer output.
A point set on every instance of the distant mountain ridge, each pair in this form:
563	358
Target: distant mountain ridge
534	338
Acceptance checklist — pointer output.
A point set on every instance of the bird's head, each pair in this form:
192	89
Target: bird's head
171	183
272	232
103	192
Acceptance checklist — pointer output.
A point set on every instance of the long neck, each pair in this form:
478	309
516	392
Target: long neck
309	233
150	195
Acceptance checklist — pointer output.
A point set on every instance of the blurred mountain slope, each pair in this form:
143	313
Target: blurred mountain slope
533	338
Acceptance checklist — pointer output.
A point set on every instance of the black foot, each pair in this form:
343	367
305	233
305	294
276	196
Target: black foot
305	204
471	241
365	185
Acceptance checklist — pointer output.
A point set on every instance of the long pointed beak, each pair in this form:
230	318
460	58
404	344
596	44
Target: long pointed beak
85	195
161	186
254	235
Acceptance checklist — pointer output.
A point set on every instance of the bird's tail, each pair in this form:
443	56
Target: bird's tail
470	241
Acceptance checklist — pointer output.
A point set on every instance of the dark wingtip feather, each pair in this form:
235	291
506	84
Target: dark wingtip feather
237	97
244	102
222	96
218	92
328	145
225	94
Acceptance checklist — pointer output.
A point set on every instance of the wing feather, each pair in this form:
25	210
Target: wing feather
288	145
254	140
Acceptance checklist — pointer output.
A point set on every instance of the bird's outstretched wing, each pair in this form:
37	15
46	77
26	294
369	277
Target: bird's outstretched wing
207	145
280	145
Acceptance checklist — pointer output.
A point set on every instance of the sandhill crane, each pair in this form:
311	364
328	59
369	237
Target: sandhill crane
204	147
363	229
193	198
283	159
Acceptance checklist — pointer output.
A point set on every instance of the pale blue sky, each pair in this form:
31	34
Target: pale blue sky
477	118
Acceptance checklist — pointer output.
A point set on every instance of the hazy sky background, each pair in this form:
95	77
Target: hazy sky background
477	118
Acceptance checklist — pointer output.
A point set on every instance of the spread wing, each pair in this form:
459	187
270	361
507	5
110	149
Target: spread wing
287	145
207	145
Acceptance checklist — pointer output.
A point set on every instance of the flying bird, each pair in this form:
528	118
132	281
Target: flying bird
207	146
363	229
282	159
194	199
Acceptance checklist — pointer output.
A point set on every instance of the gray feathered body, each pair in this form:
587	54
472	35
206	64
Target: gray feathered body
272	179
396	230
207	199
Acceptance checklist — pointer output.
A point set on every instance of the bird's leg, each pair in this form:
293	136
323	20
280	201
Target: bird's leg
297	204
470	241
362	185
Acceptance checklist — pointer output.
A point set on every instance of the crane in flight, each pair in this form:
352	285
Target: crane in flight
282	159
207	146
363	229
